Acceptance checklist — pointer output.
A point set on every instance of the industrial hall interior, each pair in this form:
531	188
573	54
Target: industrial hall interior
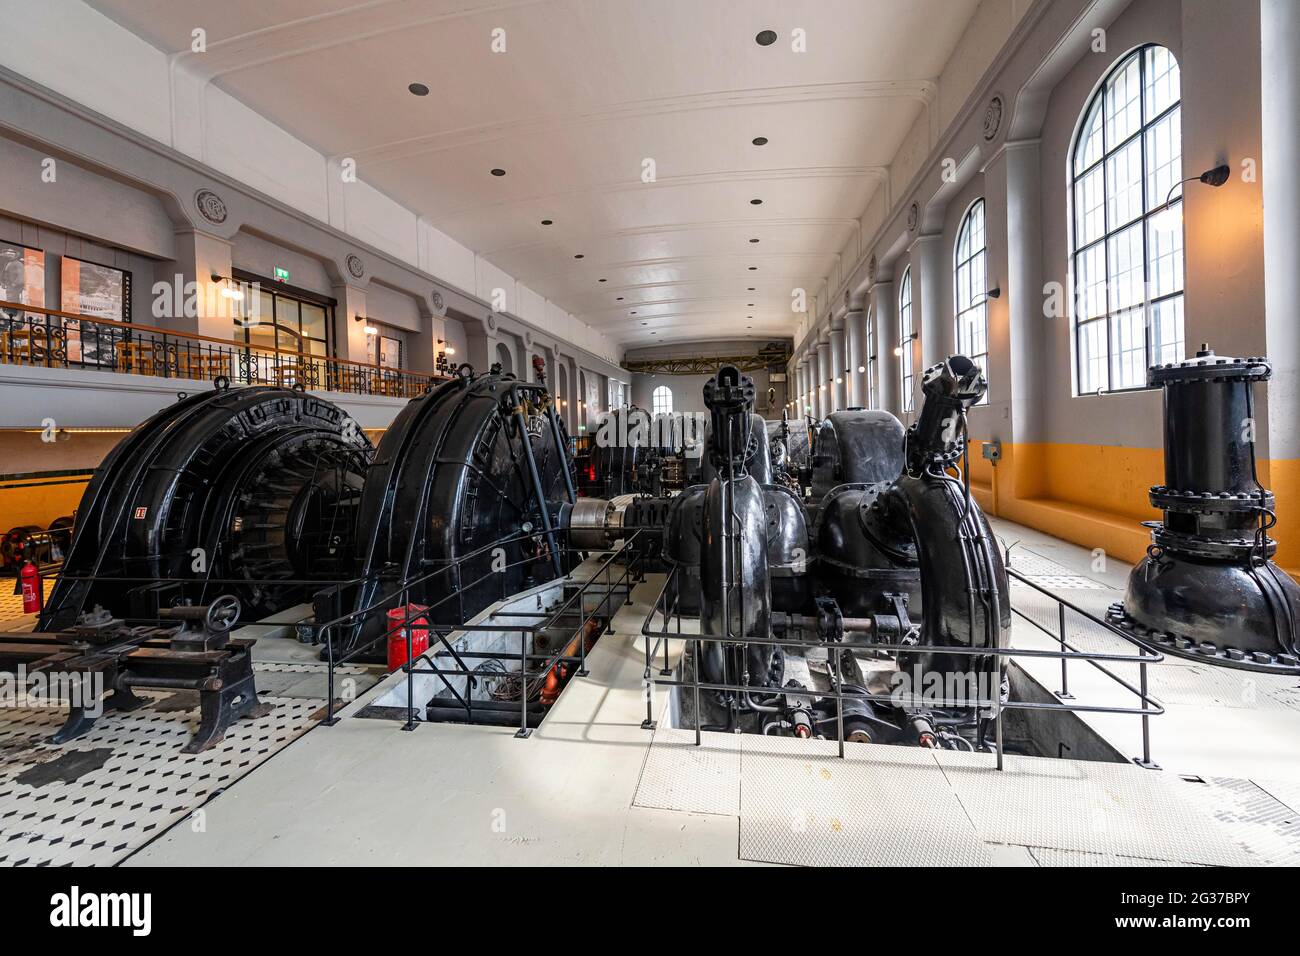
649	432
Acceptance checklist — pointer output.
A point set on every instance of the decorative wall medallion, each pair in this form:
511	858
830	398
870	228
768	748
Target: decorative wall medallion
356	266
993	117
211	206
913	217
871	269
528	339
438	304
491	323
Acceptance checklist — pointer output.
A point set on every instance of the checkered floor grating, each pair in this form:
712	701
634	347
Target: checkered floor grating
97	799
1174	681
798	803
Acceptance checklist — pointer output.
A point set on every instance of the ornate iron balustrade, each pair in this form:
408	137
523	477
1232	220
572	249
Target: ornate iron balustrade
30	335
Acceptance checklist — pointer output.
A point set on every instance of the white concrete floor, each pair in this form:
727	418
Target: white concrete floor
1218	721
364	791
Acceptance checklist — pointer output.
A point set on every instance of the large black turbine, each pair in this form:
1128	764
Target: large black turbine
255	486
462	506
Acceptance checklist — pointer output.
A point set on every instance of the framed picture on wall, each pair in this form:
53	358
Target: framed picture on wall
95	291
386	351
22	280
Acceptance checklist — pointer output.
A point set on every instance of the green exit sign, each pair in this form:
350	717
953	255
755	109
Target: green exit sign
281	275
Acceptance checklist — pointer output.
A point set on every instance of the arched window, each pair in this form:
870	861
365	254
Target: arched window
906	378
662	400
1126	252
505	358
969	274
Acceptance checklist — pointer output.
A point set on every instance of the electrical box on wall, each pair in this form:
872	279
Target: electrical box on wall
993	450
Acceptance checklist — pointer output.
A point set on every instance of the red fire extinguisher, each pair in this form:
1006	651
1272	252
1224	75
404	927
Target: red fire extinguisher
33	589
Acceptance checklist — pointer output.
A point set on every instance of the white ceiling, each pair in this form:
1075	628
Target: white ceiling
586	90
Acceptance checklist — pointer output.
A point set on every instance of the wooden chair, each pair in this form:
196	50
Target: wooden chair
142	358
204	366
287	375
24	347
386	385
348	379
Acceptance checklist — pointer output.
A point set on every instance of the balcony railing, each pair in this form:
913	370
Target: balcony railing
30	335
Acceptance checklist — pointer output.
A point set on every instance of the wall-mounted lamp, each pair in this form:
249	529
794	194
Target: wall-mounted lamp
447	349
898	349
993	293
861	369
1166	220
369	329
230	291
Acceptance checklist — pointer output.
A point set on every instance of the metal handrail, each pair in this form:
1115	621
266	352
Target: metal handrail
45	339
1148	706
326	631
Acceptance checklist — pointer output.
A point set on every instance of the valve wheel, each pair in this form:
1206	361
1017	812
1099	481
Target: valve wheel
223	614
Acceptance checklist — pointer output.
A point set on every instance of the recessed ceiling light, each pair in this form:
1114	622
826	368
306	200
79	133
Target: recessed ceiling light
602	280
760	141
548	222
750	289
498	172
633	312
756	202
419	89
619	299
753	240
645	323
578	255
766	38
753	268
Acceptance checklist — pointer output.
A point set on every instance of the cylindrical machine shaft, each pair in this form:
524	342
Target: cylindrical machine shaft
1206	588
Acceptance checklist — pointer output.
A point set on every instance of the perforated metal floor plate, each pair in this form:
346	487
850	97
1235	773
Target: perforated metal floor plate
1172	681
1093	807
880	806
1079	631
1268	829
1070	582
678	775
96	799
1032	565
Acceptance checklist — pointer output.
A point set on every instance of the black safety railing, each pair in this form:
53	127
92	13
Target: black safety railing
667	610
50	338
533	666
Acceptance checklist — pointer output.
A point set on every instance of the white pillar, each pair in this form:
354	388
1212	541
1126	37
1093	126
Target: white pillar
856	344
885	314
1017	327
838	379
936	330
1279	107
823	403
